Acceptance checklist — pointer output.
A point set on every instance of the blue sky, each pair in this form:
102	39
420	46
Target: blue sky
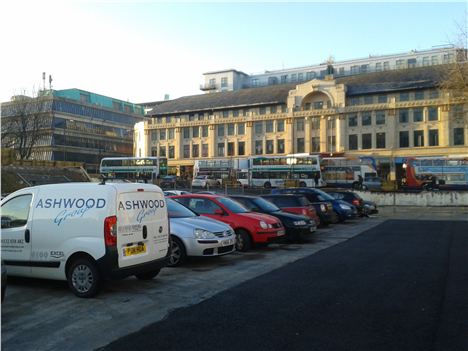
139	51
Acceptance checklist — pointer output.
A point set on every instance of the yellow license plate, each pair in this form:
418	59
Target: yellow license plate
134	250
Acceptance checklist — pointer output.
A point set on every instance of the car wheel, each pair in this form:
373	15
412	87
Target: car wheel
147	275
243	241
267	185
83	277
178	253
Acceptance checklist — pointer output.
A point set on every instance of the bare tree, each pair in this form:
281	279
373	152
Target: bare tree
24	122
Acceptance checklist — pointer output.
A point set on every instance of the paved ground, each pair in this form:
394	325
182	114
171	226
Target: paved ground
44	315
400	286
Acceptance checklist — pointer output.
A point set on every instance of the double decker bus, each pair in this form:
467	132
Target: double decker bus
276	171
133	168
445	173
235	170
345	171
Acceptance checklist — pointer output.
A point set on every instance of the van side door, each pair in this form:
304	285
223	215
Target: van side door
16	217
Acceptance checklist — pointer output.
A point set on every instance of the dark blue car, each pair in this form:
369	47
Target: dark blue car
343	210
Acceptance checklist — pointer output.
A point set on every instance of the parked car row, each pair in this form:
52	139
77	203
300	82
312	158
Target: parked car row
86	233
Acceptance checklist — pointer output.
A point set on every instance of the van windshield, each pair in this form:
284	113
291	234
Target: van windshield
177	210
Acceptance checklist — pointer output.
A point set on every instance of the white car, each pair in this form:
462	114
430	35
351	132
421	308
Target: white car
204	181
194	235
85	233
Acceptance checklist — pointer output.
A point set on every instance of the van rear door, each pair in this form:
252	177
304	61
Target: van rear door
142	226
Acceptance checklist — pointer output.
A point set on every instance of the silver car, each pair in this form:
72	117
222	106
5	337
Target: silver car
204	181
194	235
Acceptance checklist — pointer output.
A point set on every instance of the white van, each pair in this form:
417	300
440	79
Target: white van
85	233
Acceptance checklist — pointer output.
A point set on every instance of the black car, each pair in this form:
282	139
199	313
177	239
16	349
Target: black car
323	206
298	228
350	197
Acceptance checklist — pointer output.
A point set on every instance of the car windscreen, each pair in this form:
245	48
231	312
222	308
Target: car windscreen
177	210
232	205
323	196
266	205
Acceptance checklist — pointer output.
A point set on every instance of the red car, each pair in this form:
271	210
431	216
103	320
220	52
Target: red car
251	228
294	203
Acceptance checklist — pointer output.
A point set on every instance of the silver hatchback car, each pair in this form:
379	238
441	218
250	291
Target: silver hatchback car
194	235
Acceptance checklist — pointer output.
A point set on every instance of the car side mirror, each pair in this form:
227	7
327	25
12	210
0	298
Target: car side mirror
219	212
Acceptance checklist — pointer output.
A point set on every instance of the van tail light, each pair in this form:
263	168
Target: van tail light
355	202
110	231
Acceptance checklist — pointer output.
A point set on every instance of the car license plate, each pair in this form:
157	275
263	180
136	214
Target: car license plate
312	229
134	250
280	233
227	242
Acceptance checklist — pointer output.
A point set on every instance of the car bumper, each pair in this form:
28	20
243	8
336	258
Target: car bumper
269	235
210	247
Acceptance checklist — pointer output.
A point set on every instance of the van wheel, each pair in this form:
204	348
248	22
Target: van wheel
243	241
147	275
178	253
83	278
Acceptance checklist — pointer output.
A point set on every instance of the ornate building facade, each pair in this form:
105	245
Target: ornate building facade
389	115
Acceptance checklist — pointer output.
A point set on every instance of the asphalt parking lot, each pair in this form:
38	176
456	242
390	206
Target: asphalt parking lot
45	315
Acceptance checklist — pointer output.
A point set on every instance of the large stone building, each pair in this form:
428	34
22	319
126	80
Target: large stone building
389	115
76	125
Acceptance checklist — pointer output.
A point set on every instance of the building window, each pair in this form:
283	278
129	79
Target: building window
115	104
300	124
418	115
230	129
458	136
419	95
380	140
404	96
212	82
171	151
195	150
254	82
399	64
220	149
332	142
186	151
241	148
258	127
300	145
367	141
269	146
425	61
378	66
162	134
382	99
404	139
284	108
186	131
225	113
280	146
352	120
201	116
154	135
403	116
204	131
204	150
300	77
380	117
386	66
433	114
258	147
434	94
418	136
293	77
434	60
195	132
269	126
171	133
366	119
352	142
411	63
224	82
280	125
315	144
310	75
284	79
191	117
241	128
245	112
318	105
433	137
162	151
220	130
230	149
262	111
273	109
235	113
368	99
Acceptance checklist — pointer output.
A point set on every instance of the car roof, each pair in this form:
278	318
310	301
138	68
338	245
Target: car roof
244	196
201	196
283	195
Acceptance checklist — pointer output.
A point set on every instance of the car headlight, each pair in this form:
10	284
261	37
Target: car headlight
302	222
323	208
264	225
345	207
203	234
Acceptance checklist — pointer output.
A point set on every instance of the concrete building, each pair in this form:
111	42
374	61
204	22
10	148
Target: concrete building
231	79
77	125
389	115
